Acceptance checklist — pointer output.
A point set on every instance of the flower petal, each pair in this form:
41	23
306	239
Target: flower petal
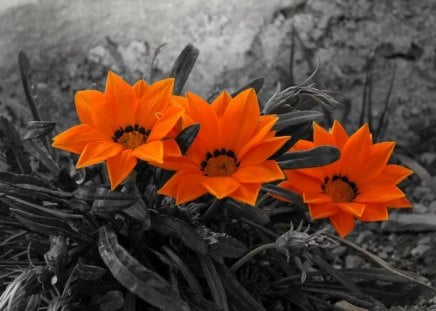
378	192
343	223
356	152
246	193
220	187
97	152
220	103
316	197
243	111
339	134
85	102
374	212
157	97
355	209
377	160
184	185
120	166
321	136
165	123
140	88
399	203
152	151
77	137
267	171
121	98
263	150
318	211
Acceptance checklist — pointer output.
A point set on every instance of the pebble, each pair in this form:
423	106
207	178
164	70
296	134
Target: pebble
353	261
419	250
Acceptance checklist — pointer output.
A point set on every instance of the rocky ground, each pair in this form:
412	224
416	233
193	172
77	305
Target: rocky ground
72	44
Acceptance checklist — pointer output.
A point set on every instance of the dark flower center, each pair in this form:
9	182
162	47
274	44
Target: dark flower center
339	188
221	163
131	137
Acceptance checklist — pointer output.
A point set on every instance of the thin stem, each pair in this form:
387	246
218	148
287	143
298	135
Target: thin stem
251	254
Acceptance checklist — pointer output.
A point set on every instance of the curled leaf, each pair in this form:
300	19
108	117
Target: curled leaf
187	136
37	129
183	66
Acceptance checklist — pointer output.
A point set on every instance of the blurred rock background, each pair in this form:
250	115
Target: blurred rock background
71	44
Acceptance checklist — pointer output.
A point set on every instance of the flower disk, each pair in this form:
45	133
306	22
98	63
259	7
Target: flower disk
229	156
122	125
360	185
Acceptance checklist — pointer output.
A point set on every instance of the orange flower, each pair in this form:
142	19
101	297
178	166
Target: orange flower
229	157
121	125
359	185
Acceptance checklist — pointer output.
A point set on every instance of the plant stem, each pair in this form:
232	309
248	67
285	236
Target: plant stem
251	254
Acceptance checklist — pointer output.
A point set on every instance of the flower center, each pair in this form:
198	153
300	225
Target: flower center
221	163
131	137
339	188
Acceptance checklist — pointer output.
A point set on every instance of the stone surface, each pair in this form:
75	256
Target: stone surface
238	41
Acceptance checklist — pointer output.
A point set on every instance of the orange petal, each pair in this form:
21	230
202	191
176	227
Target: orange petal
301	182
343	223
355	209
209	136
262	131
190	188
302	144
377	160
318	211
177	163
171	149
339	134
122	99
374	212
221	102
156	98
184	186
220	187
267	171
394	173
240	119
77	137
246	193
356	152
85	102
399	203
321	136
378	192
152	151
165	123
120	166
140	87
316	197
97	152
263	150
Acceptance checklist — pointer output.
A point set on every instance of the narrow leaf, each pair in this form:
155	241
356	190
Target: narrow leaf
138	279
174	227
285	194
296	118
15	153
183	66
26	79
237	294
256	84
242	210
178	263
187	136
213	280
314	157
37	129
